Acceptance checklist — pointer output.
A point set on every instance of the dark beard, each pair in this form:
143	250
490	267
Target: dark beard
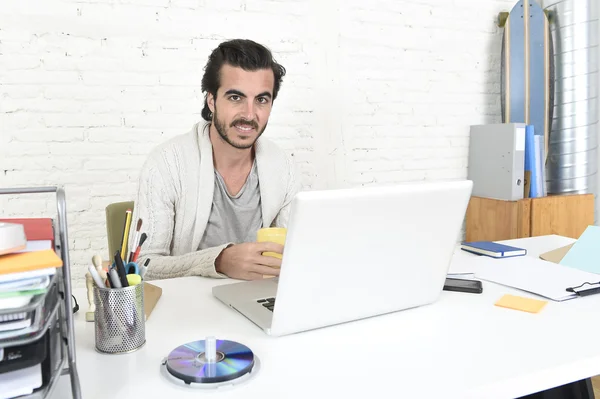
223	133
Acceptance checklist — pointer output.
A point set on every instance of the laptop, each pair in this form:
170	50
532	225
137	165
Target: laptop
356	253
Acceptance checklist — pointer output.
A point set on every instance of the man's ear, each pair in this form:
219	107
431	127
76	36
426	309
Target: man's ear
210	100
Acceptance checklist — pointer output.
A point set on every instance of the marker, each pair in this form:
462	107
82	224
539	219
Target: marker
95	276
115	282
144	268
120	269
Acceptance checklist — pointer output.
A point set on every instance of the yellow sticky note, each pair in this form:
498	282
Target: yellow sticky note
521	303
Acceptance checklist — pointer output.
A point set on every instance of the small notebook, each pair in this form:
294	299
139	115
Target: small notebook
492	249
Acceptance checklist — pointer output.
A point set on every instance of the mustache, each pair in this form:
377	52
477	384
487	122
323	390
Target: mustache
244	122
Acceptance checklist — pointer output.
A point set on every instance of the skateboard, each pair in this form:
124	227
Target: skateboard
527	68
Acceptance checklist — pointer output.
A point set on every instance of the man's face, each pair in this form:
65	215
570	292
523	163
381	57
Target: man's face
243	104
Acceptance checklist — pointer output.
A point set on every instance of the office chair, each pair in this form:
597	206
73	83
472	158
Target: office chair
115	224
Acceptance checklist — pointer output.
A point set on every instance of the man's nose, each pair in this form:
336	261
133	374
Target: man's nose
249	110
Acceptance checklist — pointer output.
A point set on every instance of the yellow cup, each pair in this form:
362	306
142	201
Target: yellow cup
272	234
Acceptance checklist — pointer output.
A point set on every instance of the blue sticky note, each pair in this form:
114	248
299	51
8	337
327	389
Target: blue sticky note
585	252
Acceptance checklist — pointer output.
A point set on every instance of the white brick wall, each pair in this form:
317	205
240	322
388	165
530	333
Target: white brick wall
377	91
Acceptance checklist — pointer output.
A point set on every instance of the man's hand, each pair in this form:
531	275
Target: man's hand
246	262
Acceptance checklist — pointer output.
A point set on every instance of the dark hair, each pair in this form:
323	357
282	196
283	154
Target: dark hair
242	53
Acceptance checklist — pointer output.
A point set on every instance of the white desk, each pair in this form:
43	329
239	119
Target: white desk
460	347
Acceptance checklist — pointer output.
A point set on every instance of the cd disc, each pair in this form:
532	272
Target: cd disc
188	362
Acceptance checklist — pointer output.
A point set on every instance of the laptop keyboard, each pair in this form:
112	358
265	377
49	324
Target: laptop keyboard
268	303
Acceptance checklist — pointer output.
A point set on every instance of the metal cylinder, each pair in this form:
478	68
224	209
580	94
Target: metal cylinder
572	150
119	318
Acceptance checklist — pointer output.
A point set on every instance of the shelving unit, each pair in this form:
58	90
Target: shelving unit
53	311
490	219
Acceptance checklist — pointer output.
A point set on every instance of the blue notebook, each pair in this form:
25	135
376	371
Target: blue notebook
492	249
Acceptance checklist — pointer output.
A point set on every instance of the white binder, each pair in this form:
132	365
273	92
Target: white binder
497	160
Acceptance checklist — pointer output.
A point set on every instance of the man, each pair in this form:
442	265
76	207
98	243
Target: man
203	195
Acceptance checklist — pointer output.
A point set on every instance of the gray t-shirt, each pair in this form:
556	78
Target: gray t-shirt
234	218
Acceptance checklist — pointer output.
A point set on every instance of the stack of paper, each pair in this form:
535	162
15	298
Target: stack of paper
28	261
23	277
18	289
534	275
20	382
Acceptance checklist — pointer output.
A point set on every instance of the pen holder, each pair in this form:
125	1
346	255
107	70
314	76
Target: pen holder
119	319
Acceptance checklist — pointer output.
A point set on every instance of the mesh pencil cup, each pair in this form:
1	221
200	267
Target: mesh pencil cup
119	319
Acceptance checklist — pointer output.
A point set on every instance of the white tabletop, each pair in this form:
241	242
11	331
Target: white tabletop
462	346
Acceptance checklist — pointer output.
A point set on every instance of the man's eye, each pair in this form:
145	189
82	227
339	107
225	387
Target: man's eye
234	98
262	100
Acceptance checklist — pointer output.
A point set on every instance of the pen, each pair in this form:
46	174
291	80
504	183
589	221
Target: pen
114	279
121	269
135	240
144	268
139	248
126	233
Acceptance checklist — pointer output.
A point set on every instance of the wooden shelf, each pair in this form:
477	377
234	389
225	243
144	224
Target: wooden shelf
490	219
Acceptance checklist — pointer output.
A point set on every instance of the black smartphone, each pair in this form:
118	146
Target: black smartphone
460	285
